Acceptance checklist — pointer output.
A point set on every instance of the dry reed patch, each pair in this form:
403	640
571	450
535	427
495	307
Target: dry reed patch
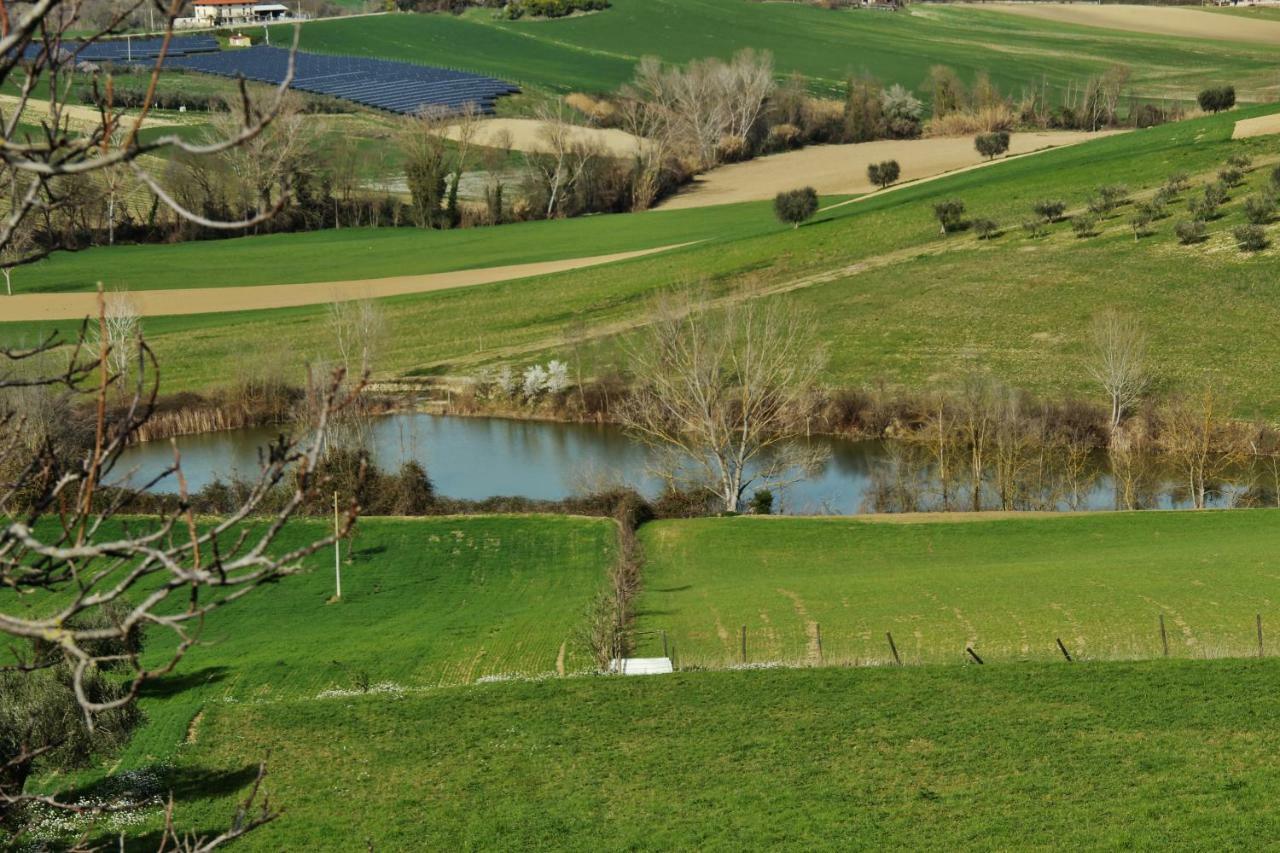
1184	23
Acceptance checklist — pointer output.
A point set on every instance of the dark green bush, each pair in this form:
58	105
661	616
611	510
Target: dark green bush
986	228
796	206
1216	99
991	145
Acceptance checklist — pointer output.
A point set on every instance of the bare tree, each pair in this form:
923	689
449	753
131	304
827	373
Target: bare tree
106	578
1119	362
566	156
721	391
261	167
63	534
1195	439
16	251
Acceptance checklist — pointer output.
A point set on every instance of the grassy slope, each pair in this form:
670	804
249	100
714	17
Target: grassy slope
1035	756
943	308
360	253
426	603
1007	587
598	52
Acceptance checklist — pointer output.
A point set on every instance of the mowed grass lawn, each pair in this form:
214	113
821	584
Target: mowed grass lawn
426	602
1162	754
1009	587
598	52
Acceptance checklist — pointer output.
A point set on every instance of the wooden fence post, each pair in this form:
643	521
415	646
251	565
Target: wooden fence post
1164	638
817	630
665	653
1259	635
744	643
1065	653
973	654
893	648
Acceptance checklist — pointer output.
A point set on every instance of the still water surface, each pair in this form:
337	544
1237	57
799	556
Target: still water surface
476	458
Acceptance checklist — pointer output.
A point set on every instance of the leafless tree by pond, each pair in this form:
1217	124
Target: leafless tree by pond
721	392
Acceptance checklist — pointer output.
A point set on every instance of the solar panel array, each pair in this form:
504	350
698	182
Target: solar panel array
132	50
398	87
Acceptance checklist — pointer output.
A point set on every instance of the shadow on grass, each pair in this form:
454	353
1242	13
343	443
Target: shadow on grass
187	784
172	685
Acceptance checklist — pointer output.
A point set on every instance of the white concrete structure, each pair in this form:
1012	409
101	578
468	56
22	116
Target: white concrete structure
642	666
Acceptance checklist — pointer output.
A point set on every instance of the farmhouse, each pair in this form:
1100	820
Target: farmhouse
221	12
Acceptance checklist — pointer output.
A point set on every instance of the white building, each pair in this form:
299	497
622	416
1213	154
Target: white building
219	13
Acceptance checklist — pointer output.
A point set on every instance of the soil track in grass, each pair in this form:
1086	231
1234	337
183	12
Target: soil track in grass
842	169
1163	21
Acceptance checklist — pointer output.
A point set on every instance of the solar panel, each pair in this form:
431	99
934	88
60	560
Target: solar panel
399	87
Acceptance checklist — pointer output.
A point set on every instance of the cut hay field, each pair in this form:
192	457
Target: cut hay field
1176	22
1008	587
598	52
842	169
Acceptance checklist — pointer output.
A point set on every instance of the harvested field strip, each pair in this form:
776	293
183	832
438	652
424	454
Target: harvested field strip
842	169
63	306
1182	23
1008	587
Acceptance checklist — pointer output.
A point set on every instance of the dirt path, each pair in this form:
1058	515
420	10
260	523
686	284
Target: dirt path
842	169
1163	20
525	134
210	300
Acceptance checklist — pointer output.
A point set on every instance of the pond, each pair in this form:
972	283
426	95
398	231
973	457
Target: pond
476	458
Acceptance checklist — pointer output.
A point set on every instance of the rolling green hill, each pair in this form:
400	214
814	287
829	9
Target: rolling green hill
598	52
893	300
811	590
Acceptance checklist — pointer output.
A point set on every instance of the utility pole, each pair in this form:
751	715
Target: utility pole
337	547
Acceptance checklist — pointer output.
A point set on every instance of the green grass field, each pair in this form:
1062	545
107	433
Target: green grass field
1036	756
363	253
1009	587
1028	753
598	52
426	603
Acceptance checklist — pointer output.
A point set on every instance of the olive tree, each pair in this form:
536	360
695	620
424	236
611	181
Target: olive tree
884	173
992	145
796	206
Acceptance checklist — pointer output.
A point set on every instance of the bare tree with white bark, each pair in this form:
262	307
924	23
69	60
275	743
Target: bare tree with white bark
721	392
1119	361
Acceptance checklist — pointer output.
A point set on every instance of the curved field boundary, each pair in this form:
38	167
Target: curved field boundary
212	300
1260	126
1152	20
842	169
